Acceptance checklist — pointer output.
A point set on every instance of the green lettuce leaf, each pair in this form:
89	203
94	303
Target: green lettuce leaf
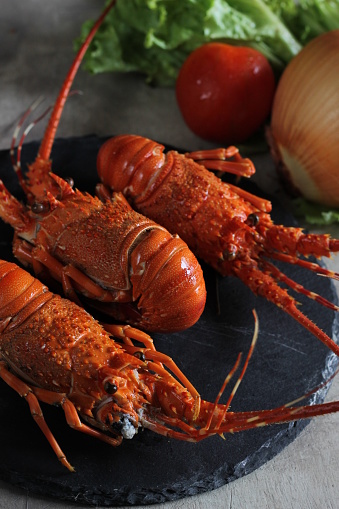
156	36
311	18
315	213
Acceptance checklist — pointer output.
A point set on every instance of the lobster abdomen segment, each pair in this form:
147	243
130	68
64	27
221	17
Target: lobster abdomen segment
20	295
130	154
170	287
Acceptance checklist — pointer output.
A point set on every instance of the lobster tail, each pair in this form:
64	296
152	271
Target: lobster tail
137	166
140	163
167	282
20	295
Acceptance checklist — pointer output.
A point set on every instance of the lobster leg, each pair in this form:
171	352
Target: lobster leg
66	274
170	364
71	414
23	251
26	392
217	159
314	267
103	192
127	333
33	394
11	210
260	203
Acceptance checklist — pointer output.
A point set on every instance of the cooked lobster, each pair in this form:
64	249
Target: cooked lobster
123	262
53	351
224	225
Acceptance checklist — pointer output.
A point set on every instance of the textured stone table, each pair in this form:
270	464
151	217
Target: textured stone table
36	51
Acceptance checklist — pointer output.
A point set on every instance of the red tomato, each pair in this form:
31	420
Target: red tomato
225	92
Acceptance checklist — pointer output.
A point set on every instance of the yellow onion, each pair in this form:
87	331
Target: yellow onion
304	131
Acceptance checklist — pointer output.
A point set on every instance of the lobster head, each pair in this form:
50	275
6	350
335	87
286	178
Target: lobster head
137	396
117	410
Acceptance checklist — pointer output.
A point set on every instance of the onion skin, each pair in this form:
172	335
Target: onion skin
304	131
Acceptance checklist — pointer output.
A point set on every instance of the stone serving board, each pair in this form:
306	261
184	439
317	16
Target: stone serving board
287	363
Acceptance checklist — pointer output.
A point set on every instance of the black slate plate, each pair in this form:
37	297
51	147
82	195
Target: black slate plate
287	363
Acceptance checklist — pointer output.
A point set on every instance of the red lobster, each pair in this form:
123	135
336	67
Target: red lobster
53	351
123	262
224	225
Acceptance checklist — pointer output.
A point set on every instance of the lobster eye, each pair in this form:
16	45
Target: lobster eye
252	220
39	208
140	355
230	256
110	387
69	181
230	253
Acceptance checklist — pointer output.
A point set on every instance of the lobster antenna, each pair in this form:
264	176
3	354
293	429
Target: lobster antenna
241	376
280	276
306	264
289	304
48	139
16	161
313	391
17	129
17	165
222	389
